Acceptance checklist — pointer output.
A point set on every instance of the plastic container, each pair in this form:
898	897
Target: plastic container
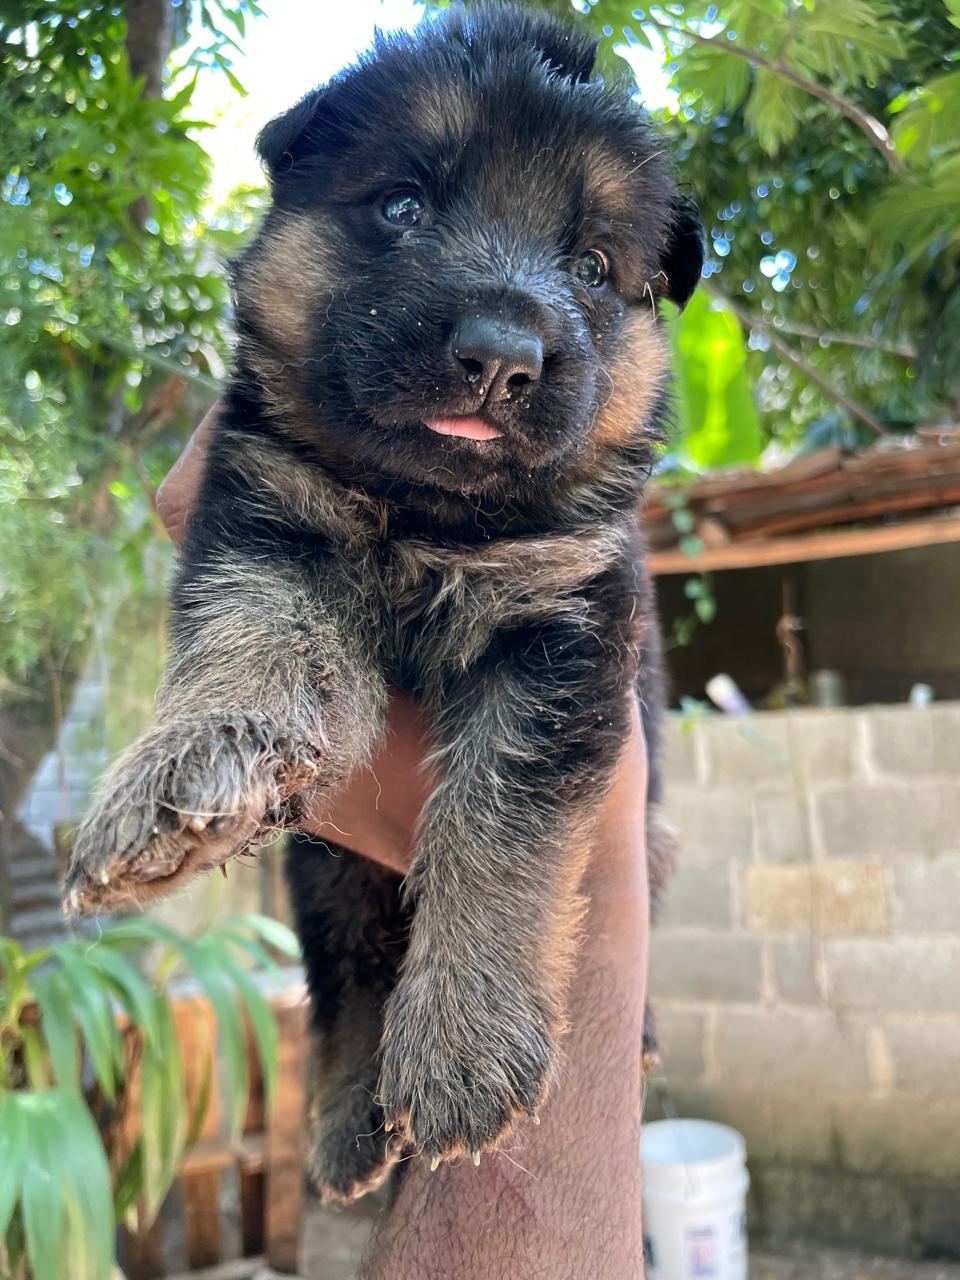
695	1185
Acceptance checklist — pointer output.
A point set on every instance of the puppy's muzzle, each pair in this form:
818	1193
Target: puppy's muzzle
498	359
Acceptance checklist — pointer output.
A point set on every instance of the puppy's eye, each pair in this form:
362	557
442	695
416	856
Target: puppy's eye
591	269
404	209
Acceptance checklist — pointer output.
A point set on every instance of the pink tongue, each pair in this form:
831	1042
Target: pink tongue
465	428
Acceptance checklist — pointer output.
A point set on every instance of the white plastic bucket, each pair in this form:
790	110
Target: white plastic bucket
695	1184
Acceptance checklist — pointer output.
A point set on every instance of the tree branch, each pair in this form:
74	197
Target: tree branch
868	124
901	349
793	358
147	46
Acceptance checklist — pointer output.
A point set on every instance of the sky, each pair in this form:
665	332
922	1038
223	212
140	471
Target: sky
299	44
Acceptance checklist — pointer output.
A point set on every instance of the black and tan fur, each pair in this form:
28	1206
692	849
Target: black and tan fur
340	549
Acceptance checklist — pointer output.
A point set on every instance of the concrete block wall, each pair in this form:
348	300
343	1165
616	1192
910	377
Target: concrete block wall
805	971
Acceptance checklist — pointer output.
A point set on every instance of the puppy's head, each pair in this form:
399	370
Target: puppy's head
457	282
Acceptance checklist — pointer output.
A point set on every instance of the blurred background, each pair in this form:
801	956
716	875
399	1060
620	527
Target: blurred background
803	522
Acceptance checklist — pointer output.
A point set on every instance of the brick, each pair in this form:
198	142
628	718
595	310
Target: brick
720	967
927	895
863	820
810	1049
778	897
826	745
681	751
794	968
697	895
714	825
747	751
905	741
897	975
834	897
779	830
680	1033
925	1054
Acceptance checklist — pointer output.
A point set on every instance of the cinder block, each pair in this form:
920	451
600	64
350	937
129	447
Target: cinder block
704	967
837	897
743	1110
927	895
925	1054
746	751
794	967
826	746
715	826
790	1203
809	1049
938	1222
778	897
900	1137
850	897
862	820
779	830
680	1032
896	975
697	895
777	1124
906	742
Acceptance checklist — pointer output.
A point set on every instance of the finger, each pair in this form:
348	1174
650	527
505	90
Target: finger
177	494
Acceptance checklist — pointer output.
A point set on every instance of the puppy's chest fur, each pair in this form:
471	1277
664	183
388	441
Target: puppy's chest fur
448	606
439	607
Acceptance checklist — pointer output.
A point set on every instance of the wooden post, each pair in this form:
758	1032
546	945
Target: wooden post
285	1138
203	1225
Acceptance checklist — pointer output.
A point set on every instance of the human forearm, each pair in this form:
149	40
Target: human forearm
563	1200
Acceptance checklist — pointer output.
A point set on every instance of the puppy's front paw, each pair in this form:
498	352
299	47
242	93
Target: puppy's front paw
459	1066
187	797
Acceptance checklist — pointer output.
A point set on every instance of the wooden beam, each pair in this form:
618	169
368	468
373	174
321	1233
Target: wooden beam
815	546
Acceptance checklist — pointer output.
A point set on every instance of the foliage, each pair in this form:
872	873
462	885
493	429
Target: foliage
65	1016
716	419
113	303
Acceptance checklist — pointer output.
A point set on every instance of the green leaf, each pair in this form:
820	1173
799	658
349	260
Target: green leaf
132	989
706	608
773	110
162	1119
206	965
66	1199
718	419
56	1024
35	1058
13	1148
272	932
235	84
262	1023
42	1194
95	1017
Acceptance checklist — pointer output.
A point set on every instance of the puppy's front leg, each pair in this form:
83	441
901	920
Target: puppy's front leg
528	746
271	691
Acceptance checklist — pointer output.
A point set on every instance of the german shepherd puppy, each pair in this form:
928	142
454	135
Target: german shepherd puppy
449	386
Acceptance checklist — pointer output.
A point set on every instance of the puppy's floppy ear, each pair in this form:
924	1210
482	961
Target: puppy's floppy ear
287	138
565	50
571	55
683	258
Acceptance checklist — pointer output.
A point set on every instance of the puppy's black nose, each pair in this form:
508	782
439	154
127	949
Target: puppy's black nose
498	358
